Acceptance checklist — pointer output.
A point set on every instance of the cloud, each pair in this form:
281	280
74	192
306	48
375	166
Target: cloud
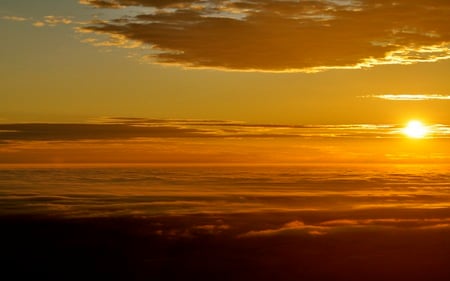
288	199
102	3
125	3
270	35
410	97
130	128
141	140
345	225
56	132
14	18
397	222
288	228
53	21
39	24
44	21
173	233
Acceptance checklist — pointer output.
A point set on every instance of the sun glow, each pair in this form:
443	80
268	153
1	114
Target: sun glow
415	129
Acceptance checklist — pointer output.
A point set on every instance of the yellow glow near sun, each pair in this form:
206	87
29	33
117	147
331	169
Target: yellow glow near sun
415	129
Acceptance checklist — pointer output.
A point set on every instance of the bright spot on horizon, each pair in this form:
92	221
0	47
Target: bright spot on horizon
415	129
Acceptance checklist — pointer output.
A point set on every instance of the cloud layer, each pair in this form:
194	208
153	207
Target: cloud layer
282	35
377	191
141	140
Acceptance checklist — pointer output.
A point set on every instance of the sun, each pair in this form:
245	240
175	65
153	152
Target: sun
415	129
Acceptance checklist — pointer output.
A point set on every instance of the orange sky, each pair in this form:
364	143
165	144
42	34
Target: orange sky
260	63
69	61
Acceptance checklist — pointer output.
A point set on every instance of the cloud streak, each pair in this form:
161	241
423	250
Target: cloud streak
135	128
411	97
49	21
281	35
53	21
141	140
57	132
293	227
14	18
129	128
345	225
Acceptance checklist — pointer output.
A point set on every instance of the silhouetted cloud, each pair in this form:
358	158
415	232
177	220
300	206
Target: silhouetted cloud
130	128
55	132
164	248
287	35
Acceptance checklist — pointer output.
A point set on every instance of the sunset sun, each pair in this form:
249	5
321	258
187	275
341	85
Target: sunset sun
415	129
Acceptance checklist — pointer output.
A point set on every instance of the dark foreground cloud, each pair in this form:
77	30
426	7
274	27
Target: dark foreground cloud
286	35
124	128
132	248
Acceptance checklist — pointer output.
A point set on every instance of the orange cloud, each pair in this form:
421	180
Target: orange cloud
14	18
329	227
293	227
411	97
272	35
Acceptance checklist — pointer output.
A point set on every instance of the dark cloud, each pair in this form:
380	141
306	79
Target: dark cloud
131	248
41	131
125	3
284	35
172	223
131	128
102	3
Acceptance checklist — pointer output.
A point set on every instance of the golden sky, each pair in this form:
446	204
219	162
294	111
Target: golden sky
225	139
272	78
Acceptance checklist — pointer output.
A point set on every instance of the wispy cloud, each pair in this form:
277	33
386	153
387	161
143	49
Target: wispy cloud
14	18
142	140
410	97
53	21
58	132
288	228
50	20
333	226
280	35
102	3
345	225
132	128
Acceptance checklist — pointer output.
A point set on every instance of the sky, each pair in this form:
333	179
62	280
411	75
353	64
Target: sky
256	69
225	139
